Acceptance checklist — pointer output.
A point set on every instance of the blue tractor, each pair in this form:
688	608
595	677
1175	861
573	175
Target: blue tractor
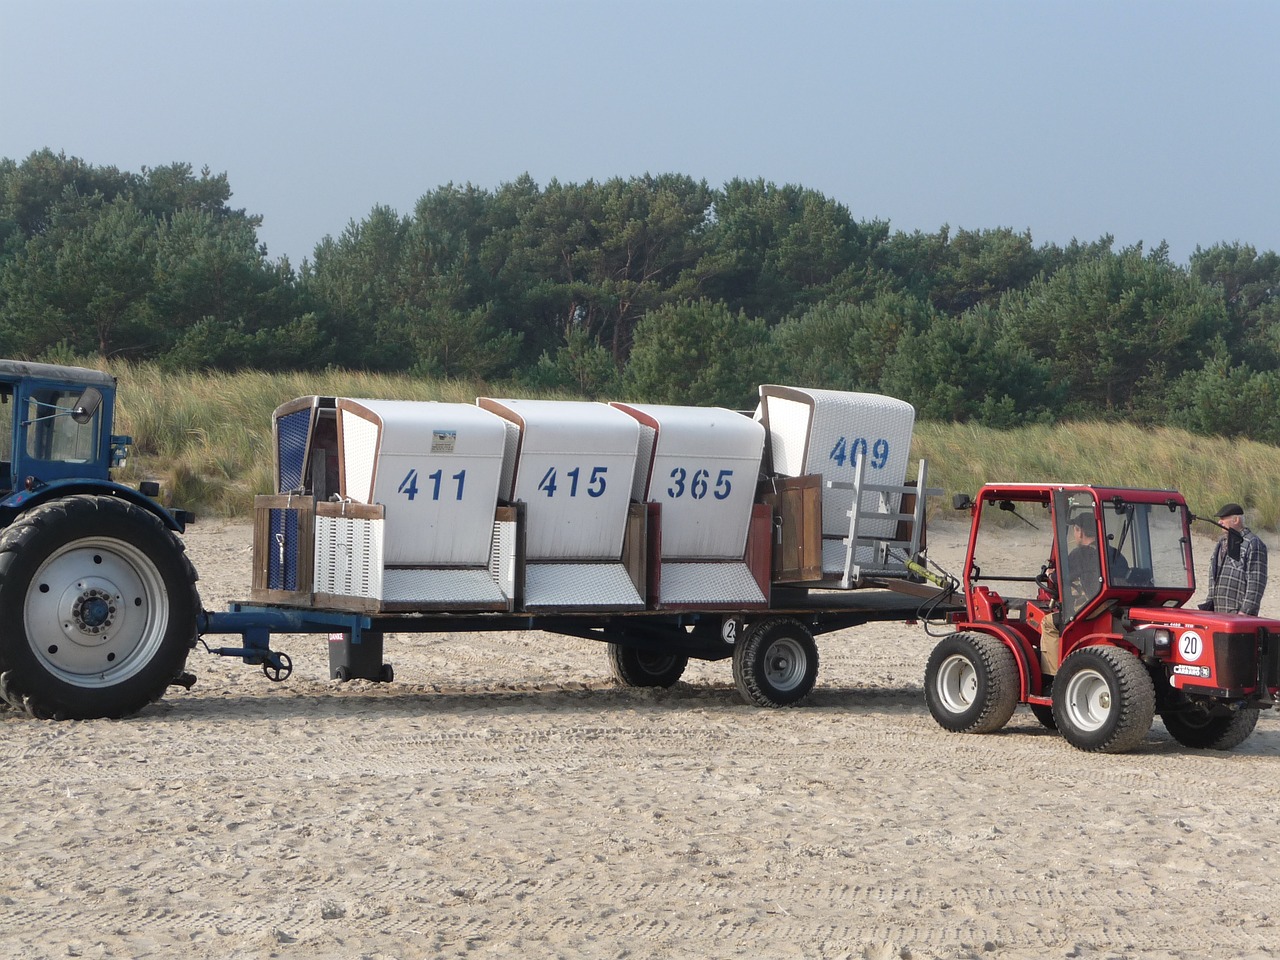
98	604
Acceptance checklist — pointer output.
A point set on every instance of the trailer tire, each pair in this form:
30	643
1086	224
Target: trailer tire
638	667
1103	700
97	609
776	663
1198	728
971	683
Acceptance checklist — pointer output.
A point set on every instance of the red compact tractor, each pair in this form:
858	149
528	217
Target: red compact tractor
1097	640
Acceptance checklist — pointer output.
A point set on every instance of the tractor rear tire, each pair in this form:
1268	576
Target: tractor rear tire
97	609
971	683
776	663
1103	700
1197	728
637	667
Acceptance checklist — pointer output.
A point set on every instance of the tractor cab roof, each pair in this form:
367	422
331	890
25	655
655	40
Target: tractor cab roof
1043	493
12	371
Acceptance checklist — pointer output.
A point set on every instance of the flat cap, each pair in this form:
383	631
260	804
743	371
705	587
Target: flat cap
1230	510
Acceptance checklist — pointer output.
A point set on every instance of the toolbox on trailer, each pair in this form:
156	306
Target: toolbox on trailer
697	470
571	464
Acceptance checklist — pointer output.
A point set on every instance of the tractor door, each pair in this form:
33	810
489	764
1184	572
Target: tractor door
1000	579
1079	555
61	432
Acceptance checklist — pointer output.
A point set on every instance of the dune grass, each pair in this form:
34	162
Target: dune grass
1208	471
207	439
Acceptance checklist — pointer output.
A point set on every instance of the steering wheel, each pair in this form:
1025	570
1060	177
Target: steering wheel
1047	579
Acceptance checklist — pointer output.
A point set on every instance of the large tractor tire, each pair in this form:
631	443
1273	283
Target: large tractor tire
776	663
1103	700
637	667
97	609
971	683
1194	726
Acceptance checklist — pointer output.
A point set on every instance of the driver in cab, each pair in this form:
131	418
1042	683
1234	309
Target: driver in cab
1084	574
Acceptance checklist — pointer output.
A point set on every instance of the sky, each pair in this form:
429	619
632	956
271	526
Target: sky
1147	121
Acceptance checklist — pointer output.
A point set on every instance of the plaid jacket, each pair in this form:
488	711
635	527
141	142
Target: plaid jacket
1235	586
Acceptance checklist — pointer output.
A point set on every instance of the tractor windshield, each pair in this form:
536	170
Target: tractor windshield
1152	539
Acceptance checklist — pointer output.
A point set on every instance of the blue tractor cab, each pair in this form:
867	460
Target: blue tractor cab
55	424
56	439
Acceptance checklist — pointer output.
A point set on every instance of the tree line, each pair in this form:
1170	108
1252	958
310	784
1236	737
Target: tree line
656	288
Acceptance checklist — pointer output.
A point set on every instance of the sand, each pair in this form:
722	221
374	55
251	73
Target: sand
504	797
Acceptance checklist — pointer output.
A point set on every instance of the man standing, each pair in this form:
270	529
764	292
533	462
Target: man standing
1238	568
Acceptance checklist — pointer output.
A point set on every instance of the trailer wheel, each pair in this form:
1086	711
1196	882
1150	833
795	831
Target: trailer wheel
971	683
1103	700
636	667
97	609
1196	726
776	663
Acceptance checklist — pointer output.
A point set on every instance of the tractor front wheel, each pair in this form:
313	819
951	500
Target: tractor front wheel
97	608
1103	700
971	683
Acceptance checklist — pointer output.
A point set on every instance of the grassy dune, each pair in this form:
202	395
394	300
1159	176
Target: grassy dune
207	439
1208	471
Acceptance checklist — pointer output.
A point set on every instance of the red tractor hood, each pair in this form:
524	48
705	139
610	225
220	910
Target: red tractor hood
1201	619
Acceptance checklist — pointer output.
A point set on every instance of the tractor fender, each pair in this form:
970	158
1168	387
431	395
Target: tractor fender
20	501
1023	652
1101	639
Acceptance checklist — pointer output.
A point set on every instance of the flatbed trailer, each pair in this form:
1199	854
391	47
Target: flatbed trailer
774	652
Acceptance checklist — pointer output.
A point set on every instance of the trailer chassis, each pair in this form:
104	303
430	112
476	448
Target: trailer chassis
773	649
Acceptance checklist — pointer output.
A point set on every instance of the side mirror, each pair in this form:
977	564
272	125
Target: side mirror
961	501
89	403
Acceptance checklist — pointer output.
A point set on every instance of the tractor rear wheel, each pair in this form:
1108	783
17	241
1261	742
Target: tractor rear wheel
97	609
1103	700
1195	726
637	667
971	683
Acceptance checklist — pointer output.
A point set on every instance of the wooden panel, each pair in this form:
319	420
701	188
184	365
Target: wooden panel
796	504
267	550
903	532
759	555
356	511
648	579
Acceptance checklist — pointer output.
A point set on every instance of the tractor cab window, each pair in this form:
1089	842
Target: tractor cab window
1152	541
60	427
1005	571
